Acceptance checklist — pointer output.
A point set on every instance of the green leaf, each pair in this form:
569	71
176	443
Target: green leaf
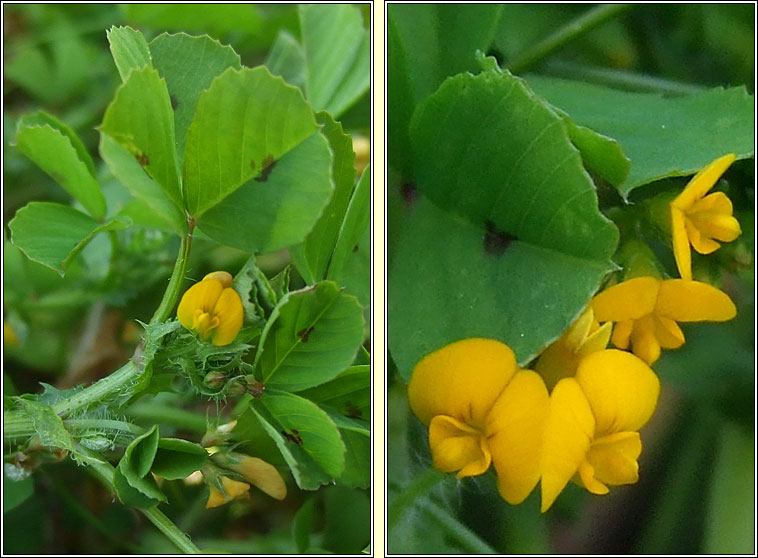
311	258
189	64
287	59
140	119
307	427
337	53
600	153
425	44
357	219
244	123
510	244
48	425
357	471
57	151
266	215
730	521
141	185
302	525
129	49
349	393
662	136
139	455
177	458
311	336
53	234
16	492
308	474
147	496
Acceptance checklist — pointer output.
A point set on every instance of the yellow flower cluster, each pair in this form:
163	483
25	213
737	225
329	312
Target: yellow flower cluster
578	415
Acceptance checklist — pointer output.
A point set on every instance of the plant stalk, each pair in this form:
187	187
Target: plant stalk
418	488
177	278
564	35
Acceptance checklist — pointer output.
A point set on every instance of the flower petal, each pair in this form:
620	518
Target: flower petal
692	301
261	474
215	498
515	426
629	300
717	202
667	332
457	447
233	488
622	333
703	181
644	342
569	429
589	480
621	389
614	458
681	243
230	314
202	296
461	380
597	340
224	277
714	225
701	243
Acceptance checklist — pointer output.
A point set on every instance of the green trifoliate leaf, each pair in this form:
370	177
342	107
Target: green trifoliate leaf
129	49
53	234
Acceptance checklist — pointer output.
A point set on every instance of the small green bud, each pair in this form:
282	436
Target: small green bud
215	380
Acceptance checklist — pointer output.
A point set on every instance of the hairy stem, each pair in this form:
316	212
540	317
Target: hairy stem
418	488
567	33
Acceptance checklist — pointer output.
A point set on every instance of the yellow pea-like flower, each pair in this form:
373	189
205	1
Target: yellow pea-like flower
212	308
258	473
592	429
646	311
481	409
230	489
700	220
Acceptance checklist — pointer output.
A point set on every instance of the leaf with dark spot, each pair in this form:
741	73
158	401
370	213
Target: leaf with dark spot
408	191
268	165
303	334
495	241
174	102
141	158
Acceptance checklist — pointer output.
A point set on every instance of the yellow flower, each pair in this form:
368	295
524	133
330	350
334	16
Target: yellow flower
212	308
591	433
228	490
698	219
258	473
562	357
481	409
646	310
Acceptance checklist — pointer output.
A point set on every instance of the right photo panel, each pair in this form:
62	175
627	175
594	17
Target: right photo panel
570	279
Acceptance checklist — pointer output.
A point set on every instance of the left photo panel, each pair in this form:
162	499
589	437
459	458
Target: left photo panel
187	279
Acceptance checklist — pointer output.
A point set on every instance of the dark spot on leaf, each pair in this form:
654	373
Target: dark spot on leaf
293	437
408	191
268	165
495	241
352	410
174	102
142	158
303	334
294	431
355	248
252	164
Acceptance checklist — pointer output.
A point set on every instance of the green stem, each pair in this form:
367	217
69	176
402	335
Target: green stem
104	424
564	35
465	537
620	79
105	387
418	487
104	472
152	412
177	278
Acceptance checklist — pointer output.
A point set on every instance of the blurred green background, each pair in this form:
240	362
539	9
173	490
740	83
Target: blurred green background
72	330
696	492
